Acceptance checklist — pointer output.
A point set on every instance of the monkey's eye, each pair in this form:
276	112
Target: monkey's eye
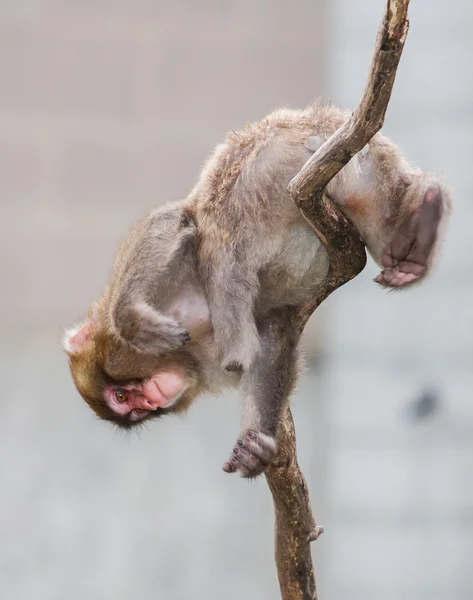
140	411
121	397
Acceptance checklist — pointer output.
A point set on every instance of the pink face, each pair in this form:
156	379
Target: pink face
136	401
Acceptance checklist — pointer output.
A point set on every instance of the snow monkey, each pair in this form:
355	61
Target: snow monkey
204	291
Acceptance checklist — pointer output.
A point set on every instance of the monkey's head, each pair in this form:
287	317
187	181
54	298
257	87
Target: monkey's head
125	386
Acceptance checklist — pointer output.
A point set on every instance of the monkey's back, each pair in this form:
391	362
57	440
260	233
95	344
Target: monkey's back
241	203
246	177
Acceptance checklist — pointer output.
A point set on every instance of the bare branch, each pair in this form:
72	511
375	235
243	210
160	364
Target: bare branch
295	525
368	118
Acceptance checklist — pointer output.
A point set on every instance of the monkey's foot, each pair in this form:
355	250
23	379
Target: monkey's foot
252	454
407	257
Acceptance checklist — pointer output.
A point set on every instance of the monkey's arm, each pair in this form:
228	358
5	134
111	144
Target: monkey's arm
148	330
232	286
147	279
266	390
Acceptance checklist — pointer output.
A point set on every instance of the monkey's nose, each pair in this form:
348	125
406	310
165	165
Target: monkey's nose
153	397
150	405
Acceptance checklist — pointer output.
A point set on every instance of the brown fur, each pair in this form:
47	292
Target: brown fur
239	244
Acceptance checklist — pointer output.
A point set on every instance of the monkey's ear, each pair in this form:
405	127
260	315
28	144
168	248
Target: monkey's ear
76	338
94	312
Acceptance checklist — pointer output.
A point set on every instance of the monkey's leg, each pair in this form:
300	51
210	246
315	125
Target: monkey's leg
408	255
266	389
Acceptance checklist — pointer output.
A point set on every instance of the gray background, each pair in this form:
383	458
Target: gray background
108	108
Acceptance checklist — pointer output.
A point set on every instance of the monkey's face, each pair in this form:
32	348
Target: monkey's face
124	386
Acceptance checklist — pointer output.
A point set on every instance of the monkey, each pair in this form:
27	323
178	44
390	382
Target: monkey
204	291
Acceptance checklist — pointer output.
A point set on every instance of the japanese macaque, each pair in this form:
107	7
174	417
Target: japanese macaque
204	292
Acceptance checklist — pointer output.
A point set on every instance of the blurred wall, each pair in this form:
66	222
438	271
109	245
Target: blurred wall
399	375
108	108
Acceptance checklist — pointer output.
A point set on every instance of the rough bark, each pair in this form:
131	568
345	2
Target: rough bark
295	525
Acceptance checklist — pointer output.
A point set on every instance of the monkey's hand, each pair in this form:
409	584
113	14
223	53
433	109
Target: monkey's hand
154	333
252	454
407	258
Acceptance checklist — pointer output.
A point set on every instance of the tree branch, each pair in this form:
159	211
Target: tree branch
295	525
